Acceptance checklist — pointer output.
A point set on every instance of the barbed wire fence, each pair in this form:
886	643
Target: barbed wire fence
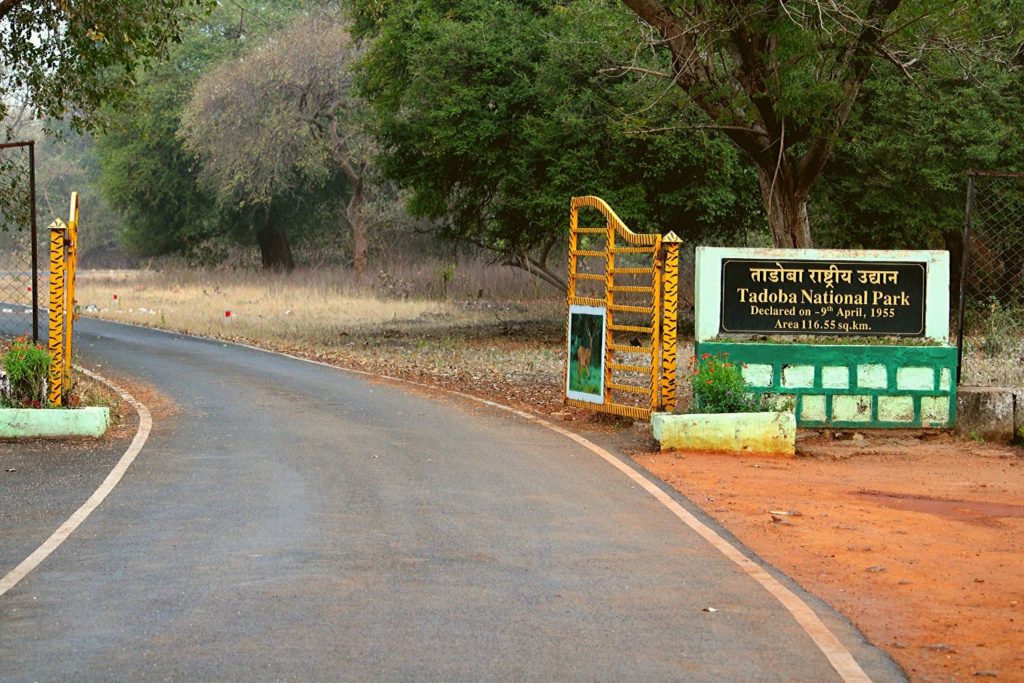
991	314
19	244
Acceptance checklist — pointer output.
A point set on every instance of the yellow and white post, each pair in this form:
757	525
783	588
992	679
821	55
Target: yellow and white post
669	321
72	270
63	266
58	292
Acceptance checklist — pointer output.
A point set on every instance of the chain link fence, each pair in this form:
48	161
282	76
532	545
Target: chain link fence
20	277
991	325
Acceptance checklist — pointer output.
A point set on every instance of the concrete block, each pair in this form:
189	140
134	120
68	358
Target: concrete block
53	422
778	403
835	377
915	379
772	433
944	379
935	411
1018	415
985	412
896	408
798	376
758	375
851	408
813	408
872	377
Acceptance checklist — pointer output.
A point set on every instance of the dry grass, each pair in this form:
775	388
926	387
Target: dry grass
510	347
320	307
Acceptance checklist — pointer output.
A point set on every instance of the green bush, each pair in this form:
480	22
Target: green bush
27	366
719	387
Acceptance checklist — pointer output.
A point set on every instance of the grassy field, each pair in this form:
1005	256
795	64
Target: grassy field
317	306
489	329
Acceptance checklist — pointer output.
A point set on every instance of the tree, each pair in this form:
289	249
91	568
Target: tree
492	114
281	119
780	79
66	162
146	172
897	178
75	57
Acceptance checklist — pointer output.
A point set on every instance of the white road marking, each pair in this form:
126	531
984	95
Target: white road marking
838	655
11	579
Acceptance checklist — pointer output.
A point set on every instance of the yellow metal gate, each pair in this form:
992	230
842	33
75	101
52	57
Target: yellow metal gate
625	284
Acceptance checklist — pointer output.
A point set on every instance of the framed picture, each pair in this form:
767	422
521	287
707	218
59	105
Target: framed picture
585	378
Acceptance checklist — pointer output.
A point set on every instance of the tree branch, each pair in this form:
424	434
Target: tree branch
6	6
856	64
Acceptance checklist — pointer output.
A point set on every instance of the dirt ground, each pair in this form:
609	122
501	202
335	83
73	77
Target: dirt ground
917	538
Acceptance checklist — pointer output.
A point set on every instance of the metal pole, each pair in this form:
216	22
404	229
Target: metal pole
35	240
965	263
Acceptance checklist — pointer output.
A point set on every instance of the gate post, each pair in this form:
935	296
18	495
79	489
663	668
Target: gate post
669	322
57	291
71	269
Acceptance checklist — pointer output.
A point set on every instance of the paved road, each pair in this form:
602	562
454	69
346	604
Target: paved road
292	522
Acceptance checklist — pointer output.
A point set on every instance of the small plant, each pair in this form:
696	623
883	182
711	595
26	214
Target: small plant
447	275
999	327
26	365
719	387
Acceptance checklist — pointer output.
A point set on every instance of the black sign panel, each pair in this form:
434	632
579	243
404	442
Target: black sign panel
766	296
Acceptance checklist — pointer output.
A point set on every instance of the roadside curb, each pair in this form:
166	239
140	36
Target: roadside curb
20	423
13	577
991	413
768	432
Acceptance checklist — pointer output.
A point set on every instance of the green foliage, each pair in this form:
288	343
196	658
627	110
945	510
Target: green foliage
67	162
147	174
26	365
586	381
719	387
493	114
999	326
74	58
898	178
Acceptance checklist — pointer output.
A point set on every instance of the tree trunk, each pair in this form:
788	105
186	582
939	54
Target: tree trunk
786	208
275	251
357	220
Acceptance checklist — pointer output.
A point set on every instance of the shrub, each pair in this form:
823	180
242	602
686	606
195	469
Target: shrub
719	387
27	366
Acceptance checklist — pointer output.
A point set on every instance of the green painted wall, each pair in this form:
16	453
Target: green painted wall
851	385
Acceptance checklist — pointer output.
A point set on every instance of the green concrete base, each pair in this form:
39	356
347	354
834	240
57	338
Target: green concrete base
33	422
773	432
851	385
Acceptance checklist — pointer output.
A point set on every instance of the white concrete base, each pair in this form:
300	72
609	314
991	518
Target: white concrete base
46	422
770	432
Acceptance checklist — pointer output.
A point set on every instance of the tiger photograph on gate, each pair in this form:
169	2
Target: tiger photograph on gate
586	353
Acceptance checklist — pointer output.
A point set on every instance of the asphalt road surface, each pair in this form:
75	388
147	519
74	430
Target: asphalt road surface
289	521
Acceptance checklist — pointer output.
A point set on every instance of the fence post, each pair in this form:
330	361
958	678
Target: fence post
609	316
965	262
35	239
57	296
669	322
656	322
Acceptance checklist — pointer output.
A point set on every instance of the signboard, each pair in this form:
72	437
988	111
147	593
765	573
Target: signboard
823	296
585	370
